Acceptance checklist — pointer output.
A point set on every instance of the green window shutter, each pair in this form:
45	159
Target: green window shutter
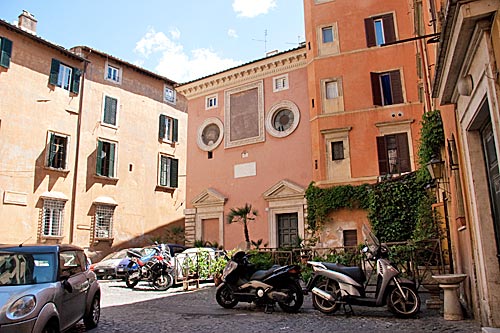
5	52
175	130
99	158
75	80
54	72
174	171
110	107
52	151
111	160
161	130
163	171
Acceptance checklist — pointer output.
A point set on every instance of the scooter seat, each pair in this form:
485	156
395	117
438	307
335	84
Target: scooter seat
355	272
262	274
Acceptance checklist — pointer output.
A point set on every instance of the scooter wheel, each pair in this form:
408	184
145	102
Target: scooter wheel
295	298
403	305
163	281
225	296
322	304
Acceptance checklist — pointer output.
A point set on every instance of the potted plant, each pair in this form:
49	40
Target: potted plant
216	267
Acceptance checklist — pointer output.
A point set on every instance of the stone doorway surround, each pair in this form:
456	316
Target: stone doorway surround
209	204
284	197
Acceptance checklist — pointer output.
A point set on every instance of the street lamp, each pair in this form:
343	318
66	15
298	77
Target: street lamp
435	168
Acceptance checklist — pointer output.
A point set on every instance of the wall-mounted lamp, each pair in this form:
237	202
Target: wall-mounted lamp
435	168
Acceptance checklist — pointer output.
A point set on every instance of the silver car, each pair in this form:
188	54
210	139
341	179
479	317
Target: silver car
46	288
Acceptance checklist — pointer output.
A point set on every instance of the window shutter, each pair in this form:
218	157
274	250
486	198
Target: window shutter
175	130
403	152
161	130
377	94
174	170
111	161
64	153
5	52
75	80
99	158
54	72
383	160
110	106
52	151
397	91
370	32
389	32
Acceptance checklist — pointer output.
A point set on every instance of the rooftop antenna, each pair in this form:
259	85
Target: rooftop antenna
263	40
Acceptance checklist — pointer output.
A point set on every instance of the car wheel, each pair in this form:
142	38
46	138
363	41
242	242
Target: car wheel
91	319
51	327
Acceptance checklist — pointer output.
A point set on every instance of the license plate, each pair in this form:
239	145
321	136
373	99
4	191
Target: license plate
121	269
100	270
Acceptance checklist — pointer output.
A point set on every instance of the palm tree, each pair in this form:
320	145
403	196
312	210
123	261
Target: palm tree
244	215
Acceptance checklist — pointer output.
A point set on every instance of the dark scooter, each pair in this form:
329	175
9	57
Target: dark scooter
333	285
243	283
156	269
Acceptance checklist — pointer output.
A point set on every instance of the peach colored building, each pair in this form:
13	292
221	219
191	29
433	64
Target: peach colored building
93	148
249	142
367	89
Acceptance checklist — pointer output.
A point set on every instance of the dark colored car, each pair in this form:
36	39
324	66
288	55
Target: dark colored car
106	268
46	288
122	268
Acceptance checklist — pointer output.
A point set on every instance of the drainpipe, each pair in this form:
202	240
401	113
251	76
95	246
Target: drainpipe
77	154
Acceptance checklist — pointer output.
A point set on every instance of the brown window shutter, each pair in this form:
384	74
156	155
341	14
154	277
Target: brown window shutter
376	93
397	91
383	161
389	32
370	32
403	152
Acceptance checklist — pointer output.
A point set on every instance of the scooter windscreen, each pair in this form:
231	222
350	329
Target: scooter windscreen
370	240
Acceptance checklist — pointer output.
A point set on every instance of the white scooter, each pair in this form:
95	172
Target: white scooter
333	285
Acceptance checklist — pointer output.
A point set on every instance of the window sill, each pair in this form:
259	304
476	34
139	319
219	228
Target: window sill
105	178
51	237
65	171
104	240
103	124
161	188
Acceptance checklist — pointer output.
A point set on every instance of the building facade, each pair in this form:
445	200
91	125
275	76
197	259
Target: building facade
94	148
249	142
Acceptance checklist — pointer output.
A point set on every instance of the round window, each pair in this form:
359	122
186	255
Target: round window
210	134
282	119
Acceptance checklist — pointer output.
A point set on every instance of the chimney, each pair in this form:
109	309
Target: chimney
27	22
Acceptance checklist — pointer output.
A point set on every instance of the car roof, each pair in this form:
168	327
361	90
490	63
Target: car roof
39	248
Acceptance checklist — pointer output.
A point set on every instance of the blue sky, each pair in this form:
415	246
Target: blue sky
182	40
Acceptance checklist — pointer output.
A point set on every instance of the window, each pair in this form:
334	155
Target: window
211	102
169	168
57	151
103	228
113	73
327	34
5	52
332	89
282	119
380	30
169	95
209	134
53	212
65	76
168	129
337	150
106	152
350	237
70	263
280	83
110	111
393	154
386	88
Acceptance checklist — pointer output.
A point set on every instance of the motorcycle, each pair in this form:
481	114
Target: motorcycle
155	268
241	282
333	285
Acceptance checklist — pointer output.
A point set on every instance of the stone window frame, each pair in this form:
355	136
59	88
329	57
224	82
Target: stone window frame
289	105
199	138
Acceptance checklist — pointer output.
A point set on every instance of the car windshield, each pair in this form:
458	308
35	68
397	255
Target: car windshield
116	255
26	268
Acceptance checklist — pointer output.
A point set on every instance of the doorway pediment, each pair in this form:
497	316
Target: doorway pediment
209	197
284	189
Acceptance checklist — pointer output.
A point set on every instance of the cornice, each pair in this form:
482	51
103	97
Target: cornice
244	74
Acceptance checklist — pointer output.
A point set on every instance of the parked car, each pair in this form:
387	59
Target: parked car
107	267
46	288
122	267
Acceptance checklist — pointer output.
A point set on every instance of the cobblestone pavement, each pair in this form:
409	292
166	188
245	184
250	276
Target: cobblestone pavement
146	310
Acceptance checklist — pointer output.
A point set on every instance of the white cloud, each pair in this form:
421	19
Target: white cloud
252	8
232	33
175	63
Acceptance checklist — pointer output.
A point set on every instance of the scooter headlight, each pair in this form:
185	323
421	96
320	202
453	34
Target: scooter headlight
21	307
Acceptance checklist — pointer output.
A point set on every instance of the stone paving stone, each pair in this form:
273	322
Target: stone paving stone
147	310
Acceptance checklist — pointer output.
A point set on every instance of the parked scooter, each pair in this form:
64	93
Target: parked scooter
333	285
155	268
243	283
